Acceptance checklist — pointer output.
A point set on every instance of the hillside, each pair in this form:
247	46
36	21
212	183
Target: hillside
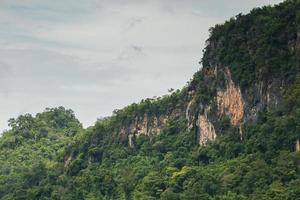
232	133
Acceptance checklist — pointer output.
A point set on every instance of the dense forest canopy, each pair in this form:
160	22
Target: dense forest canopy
51	156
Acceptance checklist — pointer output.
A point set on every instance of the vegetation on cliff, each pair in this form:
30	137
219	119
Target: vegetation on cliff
259	45
50	155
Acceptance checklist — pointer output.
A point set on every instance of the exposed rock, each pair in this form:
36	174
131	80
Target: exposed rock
206	130
230	101
188	113
156	125
67	162
122	134
130	138
141	126
298	41
274	94
144	125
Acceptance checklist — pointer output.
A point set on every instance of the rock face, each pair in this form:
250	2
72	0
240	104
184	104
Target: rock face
227	99
242	74
144	125
230	101
188	113
206	130
297	145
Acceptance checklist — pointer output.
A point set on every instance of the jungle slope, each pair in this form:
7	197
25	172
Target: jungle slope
229	134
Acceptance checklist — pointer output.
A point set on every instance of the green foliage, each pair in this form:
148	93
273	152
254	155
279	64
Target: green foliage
94	165
152	106
257	46
50	155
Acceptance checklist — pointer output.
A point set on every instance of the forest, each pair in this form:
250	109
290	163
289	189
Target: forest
51	156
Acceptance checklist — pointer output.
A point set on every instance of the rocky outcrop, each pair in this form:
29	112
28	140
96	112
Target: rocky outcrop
189	113
238	79
204	117
206	130
263	95
130	140
143	125
230	101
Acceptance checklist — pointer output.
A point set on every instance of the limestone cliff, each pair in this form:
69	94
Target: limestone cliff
243	72
143	125
146	124
228	100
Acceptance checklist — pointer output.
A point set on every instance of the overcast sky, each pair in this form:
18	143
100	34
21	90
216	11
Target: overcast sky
94	56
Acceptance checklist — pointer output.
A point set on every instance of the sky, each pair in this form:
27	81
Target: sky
95	56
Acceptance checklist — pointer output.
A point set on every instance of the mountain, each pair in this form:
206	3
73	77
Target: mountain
231	133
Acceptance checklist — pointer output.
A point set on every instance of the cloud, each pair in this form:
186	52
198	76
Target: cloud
133	22
130	53
5	70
